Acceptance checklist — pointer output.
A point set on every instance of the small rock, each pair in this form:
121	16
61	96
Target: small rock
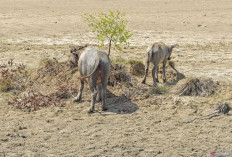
47	138
201	26
22	127
159	152
23	136
5	140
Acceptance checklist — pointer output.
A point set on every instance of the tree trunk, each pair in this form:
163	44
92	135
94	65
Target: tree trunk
109	47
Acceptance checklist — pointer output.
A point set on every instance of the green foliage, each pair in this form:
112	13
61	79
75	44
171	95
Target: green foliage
109	27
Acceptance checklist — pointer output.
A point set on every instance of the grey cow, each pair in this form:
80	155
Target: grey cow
157	53
94	65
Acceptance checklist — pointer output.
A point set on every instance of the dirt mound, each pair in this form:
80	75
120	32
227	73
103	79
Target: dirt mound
137	69
195	87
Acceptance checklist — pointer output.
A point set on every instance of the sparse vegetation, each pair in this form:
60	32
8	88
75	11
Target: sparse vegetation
209	46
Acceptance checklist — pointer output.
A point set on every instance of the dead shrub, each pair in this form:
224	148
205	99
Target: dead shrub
53	82
195	87
13	76
118	75
61	75
49	67
34	100
65	90
223	108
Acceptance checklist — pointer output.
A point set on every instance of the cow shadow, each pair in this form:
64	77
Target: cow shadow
179	77
119	104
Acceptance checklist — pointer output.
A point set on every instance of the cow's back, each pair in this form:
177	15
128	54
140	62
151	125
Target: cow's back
159	52
90	59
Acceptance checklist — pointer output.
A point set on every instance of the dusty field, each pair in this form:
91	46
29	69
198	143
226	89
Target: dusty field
151	126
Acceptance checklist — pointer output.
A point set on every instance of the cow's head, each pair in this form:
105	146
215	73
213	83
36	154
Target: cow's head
75	54
170	50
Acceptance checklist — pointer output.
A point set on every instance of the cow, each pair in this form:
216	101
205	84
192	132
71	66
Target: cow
94	65
157	53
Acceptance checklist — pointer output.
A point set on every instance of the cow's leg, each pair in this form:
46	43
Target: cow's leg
93	89
99	87
79	95
103	92
157	72
146	72
104	78
164	72
154	74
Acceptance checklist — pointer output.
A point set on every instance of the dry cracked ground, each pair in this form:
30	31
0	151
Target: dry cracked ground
38	29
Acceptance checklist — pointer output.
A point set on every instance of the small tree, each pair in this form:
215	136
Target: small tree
110	27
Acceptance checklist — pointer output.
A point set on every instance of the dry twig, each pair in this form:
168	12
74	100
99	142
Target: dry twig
221	108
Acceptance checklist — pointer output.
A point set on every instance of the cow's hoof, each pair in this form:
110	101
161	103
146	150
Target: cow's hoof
90	111
164	81
76	99
98	99
143	82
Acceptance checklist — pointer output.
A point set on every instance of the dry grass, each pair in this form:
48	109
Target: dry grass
158	90
5	85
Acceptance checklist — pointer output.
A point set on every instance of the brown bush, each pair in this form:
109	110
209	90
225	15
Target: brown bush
52	82
118	75
34	100
195	87
13	76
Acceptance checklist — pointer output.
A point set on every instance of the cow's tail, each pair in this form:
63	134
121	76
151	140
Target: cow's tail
148	55
96	64
173	46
